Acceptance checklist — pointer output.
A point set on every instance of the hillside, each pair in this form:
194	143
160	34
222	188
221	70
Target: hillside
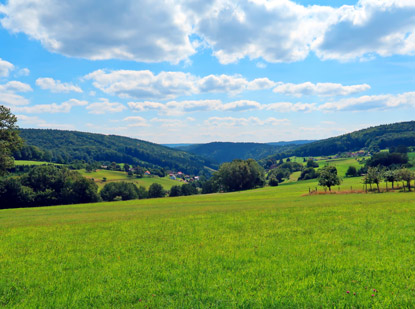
225	151
373	139
65	146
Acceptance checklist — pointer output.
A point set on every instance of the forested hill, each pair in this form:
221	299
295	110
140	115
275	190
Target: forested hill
225	152
372	139
66	146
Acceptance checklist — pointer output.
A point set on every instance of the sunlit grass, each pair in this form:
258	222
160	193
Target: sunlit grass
269	247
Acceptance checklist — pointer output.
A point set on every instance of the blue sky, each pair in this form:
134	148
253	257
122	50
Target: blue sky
194	71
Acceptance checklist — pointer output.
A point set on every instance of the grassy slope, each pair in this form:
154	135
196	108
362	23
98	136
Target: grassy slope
112	176
270	247
25	162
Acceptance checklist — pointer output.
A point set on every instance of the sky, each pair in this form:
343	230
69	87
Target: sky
198	71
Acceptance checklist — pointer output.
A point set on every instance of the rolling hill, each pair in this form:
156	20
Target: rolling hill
226	151
65	146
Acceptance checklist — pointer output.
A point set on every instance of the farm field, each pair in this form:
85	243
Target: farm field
270	247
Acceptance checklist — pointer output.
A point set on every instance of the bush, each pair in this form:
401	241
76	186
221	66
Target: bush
352	172
156	190
273	182
175	191
188	189
308	173
125	190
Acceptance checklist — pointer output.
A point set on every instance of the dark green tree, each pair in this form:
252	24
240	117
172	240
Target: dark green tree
156	190
9	139
124	190
175	191
351	172
241	175
328	177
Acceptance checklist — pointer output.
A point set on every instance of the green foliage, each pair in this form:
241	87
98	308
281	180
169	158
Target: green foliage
47	185
9	139
188	189
311	163
175	191
156	190
240	175
273	182
67	146
352	172
308	173
328	177
124	190
387	159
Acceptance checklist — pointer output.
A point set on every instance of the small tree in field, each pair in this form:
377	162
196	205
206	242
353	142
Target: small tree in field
406	175
328	177
390	176
375	174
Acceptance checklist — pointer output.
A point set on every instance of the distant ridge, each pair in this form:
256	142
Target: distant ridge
73	145
226	151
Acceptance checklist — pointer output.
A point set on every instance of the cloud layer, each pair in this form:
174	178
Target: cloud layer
145	85
164	30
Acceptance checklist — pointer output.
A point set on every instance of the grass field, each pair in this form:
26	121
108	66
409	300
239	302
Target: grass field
25	162
112	176
270	247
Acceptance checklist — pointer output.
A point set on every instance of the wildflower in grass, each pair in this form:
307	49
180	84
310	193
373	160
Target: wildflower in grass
347	292
354	293
373	295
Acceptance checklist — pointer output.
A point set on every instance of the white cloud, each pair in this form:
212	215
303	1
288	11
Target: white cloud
140	30
374	102
8	95
232	121
320	89
169	85
286	107
136	121
104	106
383	27
40	123
56	85
23	72
242	105
180	107
272	31
5	67
64	107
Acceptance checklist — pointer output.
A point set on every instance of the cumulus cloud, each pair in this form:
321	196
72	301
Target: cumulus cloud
64	107
320	89
232	121
274	31
363	103
286	107
169	85
56	86
136	121
383	27
9	96
5	68
104	106
180	107
140	30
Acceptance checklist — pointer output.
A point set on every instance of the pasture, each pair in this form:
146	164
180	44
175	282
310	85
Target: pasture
270	247
113	176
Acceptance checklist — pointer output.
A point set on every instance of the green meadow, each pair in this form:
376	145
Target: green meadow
114	176
264	248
